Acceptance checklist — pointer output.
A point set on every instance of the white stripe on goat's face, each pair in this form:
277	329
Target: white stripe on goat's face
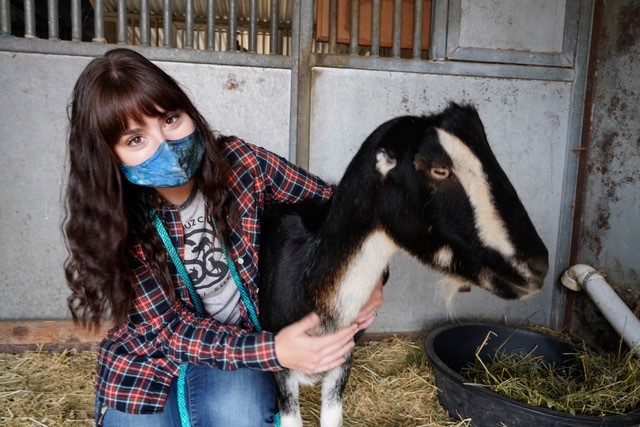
468	169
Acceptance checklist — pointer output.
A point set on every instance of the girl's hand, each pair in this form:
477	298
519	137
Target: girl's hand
369	310
295	349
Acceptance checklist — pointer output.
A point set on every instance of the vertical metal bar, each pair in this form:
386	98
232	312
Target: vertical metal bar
29	19
76	21
576	125
145	28
439	19
189	24
375	28
52	18
166	24
273	28
231	36
122	22
98	22
5	16
397	28
355	21
333	25
302	58
417	28
211	24
253	27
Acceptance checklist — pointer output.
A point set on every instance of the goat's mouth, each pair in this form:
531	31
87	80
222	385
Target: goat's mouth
517	282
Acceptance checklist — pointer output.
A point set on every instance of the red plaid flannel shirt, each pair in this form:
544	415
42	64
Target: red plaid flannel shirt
138	360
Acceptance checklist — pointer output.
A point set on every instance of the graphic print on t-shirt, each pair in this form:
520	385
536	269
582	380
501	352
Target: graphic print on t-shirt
205	263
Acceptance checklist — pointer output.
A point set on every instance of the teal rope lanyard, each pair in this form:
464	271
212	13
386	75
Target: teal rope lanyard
195	299
185	421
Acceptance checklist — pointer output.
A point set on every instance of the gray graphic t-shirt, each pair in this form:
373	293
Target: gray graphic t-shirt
206	264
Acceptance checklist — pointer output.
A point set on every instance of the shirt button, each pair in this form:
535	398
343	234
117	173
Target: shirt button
240	261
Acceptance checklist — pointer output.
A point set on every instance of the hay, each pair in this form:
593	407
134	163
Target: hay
39	388
391	384
593	384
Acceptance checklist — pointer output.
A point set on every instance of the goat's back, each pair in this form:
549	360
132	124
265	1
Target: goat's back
287	244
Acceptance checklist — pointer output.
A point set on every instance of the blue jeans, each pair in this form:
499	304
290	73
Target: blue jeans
214	398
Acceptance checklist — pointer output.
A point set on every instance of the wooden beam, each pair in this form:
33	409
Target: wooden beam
54	335
17	336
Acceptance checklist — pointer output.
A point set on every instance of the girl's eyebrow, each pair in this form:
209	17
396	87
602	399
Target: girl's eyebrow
131	131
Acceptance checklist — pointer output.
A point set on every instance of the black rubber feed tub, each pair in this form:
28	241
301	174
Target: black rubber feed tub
453	347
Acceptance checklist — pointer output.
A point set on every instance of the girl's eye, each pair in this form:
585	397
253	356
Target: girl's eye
171	119
134	141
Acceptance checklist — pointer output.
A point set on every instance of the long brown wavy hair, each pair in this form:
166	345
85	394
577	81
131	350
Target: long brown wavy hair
106	214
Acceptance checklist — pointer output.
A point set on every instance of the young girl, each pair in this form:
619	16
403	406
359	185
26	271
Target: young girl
141	154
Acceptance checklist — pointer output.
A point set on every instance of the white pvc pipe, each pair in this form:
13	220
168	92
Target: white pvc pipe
620	317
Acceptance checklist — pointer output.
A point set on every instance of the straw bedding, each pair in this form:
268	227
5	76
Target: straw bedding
591	383
391	384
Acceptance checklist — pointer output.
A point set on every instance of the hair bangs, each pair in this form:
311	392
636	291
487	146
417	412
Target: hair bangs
130	99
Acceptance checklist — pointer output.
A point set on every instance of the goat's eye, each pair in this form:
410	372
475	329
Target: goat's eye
440	173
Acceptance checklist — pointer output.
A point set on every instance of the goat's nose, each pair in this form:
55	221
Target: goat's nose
539	265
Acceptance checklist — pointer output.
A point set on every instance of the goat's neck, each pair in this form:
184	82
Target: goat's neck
352	253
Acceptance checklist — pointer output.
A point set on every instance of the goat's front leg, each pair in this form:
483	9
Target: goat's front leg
332	389
287	393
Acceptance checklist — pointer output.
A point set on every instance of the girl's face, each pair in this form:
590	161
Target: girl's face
141	140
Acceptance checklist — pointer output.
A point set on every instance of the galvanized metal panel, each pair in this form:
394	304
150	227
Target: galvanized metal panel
34	121
520	25
249	102
527	124
515	31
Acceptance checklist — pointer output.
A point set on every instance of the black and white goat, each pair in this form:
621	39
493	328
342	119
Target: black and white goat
430	186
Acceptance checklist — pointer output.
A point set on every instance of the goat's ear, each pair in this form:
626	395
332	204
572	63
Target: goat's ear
384	162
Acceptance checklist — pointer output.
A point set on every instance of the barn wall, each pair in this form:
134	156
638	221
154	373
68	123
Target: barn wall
528	95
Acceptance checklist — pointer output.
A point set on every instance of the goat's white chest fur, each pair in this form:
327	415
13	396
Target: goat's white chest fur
362	273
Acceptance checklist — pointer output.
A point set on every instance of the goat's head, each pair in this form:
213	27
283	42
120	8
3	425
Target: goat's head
445	199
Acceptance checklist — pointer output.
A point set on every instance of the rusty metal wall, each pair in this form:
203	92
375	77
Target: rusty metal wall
611	231
607	228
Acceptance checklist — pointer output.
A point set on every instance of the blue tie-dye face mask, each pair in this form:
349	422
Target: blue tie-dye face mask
173	164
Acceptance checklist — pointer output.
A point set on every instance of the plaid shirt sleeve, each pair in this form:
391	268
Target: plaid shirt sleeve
284	182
